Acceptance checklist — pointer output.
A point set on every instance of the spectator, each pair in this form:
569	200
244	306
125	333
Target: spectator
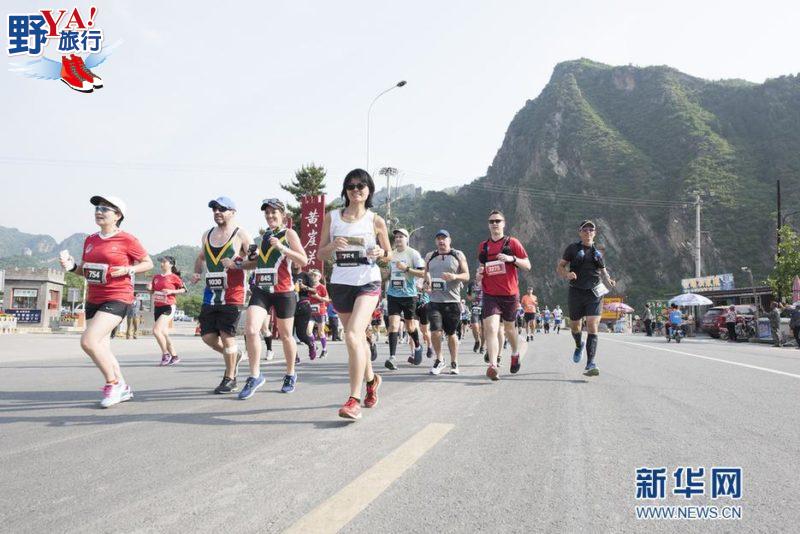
648	320
794	324
775	323
730	323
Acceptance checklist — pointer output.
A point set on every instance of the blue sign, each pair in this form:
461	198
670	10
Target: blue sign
26	316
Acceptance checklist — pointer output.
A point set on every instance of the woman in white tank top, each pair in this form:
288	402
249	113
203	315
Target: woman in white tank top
355	238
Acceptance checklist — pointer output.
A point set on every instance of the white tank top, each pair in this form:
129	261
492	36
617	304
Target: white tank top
363	233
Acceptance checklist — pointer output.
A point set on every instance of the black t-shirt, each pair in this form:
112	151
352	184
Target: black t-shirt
305	279
586	262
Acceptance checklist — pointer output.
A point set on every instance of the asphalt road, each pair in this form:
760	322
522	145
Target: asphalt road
545	450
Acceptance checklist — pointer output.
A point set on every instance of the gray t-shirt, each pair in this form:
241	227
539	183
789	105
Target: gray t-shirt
442	291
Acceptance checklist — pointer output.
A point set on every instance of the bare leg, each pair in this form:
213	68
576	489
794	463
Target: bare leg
355	324
96	342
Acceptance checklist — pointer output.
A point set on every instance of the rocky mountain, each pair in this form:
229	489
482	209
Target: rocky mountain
628	147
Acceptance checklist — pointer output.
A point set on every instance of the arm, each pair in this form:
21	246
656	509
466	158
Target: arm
295	249
326	246
563	272
384	248
606	277
463	271
199	262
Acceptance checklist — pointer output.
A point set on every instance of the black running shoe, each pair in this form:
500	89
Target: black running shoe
228	385
374	352
476	346
486	357
389	364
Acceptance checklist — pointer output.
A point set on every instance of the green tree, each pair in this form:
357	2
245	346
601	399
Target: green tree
190	304
787	265
308	180
71	280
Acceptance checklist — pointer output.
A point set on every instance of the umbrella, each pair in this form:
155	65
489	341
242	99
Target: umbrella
690	299
796	288
618	306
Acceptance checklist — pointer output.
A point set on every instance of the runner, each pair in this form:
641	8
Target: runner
401	296
583	265
110	259
501	256
303	326
465	314
529	305
546	318
318	296
445	272
557	314
272	287
422	320
164	287
355	237
374	330
132	319
223	247
475	301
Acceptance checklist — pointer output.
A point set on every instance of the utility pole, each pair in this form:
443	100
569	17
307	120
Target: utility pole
778	231
697	203
388	172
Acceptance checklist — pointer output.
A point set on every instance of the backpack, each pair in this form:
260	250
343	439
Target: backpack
483	257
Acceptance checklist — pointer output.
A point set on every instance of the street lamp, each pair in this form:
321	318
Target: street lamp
753	286
401	83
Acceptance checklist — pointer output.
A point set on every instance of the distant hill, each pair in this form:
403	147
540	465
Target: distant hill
44	247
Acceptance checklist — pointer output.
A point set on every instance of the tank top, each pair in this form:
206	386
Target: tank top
441	290
275	263
350	266
233	292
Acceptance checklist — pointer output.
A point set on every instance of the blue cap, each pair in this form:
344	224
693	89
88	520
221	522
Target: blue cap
442	232
225	202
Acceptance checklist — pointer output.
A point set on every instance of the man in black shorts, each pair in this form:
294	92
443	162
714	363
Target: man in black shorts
583	265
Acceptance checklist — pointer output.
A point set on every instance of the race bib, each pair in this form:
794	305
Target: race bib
95	273
217	281
599	290
159	298
265	278
315	309
398	280
476	310
494	268
351	257
437	284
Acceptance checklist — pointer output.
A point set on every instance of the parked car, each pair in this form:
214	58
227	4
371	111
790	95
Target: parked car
714	319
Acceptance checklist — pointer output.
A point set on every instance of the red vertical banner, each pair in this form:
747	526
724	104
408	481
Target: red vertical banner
312	209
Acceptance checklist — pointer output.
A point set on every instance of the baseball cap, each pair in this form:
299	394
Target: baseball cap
401	231
223	202
273	203
442	232
114	201
587	222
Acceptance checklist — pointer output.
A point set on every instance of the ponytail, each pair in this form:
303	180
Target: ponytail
175	271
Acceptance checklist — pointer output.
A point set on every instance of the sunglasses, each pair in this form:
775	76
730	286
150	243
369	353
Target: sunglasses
104	209
355	185
587	229
495	221
221	209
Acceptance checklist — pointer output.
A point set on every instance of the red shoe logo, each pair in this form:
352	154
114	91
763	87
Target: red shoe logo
86	74
71	75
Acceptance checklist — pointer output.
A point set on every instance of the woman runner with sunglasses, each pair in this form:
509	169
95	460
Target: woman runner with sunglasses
355	237
164	287
110	259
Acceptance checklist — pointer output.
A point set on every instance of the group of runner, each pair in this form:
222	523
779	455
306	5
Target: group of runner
423	294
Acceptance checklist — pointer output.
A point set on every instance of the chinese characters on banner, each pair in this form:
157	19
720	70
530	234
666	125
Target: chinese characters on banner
312	212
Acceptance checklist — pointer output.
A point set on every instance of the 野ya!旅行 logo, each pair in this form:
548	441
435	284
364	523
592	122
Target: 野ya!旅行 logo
69	35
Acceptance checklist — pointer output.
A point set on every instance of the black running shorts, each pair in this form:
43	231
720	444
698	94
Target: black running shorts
284	303
218	319
584	303
444	316
405	306
114	307
158	311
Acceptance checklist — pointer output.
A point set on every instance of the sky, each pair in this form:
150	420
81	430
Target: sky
200	101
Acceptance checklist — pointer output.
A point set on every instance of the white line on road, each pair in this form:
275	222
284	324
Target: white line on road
347	503
710	358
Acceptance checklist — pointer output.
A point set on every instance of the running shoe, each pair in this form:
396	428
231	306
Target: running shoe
486	357
351	409
250	386
312	351
437	367
289	382
576	355
297	359
482	350
115	393
453	368
270	355
505	343
514	363
591	369
371	400
165	358
492	373
418	355
323	354
373	352
411	360
476	346
174	359
228	385
429	353
389	364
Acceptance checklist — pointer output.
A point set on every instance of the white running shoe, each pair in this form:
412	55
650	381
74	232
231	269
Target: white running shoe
115	393
270	355
437	367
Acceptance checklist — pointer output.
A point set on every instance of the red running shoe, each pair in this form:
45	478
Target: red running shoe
71	76
491	372
372	392
86	74
351	409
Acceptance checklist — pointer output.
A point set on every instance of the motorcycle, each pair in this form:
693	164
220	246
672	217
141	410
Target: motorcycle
675	333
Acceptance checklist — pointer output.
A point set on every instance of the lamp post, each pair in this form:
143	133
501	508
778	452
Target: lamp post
753	287
401	83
